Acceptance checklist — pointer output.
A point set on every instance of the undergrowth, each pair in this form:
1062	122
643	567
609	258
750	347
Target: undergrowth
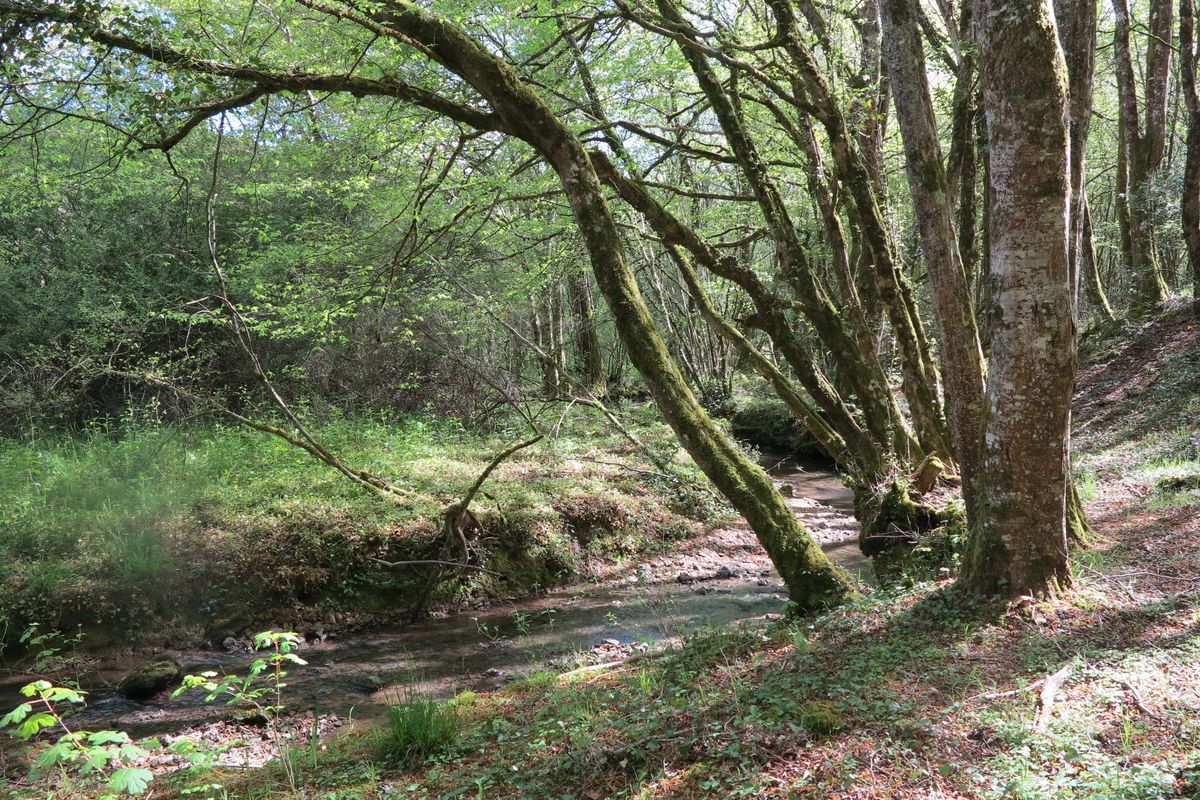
140	524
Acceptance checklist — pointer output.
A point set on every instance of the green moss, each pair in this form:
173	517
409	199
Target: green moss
892	517
926	558
821	717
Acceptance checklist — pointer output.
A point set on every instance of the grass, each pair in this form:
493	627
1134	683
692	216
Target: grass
234	522
911	692
415	731
889	698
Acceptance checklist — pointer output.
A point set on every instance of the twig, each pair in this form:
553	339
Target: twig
624	466
993	695
419	562
1050	689
1137	698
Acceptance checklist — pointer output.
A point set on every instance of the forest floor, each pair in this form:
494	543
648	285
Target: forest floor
913	692
910	693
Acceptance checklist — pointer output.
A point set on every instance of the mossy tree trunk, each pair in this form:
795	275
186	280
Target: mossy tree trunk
812	581
1142	145
1019	539
1076	21
1090	266
962	162
920	378
870	455
881	414
962	356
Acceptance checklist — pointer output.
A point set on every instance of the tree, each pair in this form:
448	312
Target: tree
962	355
1019	539
1142	140
1076	20
1190	207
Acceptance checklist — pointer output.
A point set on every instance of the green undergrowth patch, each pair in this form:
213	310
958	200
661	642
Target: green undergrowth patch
145	524
1146	434
1117	731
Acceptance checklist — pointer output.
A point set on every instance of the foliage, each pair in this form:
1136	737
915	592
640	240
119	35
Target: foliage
246	690
105	755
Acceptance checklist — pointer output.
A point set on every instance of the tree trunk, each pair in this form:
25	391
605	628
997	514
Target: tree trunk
1141	152
1076	20
962	357
880	412
920	379
1190	211
1019	541
587	337
543	336
869	454
1090	265
962	161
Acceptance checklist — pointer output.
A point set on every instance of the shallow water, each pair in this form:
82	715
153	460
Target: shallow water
363	672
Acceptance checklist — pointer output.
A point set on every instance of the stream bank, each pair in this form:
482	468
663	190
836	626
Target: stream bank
708	581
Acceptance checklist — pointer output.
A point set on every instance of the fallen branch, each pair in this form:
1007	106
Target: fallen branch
592	668
650	472
1050	688
308	443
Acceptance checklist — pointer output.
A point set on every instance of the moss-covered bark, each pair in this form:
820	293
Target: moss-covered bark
962	355
921	381
869	383
868	453
1019	537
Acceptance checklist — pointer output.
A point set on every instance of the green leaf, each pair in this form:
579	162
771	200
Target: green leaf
96	758
16	715
106	737
57	694
130	780
56	754
35	723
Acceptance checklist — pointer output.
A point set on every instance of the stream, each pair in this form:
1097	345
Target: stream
718	580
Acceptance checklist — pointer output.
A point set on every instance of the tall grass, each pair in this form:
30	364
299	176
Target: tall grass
416	730
118	520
